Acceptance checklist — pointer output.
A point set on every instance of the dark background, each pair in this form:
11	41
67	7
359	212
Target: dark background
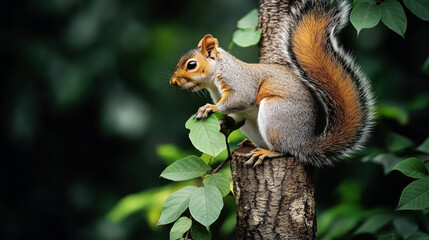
86	102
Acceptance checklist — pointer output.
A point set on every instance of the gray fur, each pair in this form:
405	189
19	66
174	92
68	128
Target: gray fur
293	116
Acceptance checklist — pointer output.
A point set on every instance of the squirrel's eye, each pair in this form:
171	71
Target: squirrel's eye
191	65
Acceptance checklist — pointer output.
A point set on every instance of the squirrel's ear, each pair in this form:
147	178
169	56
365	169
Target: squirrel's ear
208	46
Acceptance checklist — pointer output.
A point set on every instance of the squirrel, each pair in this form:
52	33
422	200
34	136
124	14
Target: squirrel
318	107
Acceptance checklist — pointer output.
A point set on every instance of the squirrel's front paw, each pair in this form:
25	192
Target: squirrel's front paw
204	111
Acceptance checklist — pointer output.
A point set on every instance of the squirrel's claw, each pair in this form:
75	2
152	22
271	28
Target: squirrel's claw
252	157
205	111
259	155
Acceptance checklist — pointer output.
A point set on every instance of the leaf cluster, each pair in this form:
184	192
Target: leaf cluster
414	200
350	218
204	201
247	33
368	13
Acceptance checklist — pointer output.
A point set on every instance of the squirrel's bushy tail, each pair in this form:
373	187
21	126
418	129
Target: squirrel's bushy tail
331	73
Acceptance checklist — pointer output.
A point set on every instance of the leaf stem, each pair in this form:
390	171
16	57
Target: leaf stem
230	46
187	233
226	160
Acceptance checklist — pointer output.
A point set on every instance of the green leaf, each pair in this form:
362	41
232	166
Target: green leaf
175	205
207	158
205	135
397	113
228	225
350	191
405	226
425	67
420	102
424	147
236	136
419	7
419	236
219	180
341	225
339	220
170	153
145	200
415	196
390	236
412	167
388	160
393	16
365	15
374	223
246	37
220	116
205	205
199	232
372	153
186	168
250	20
179	228
396	142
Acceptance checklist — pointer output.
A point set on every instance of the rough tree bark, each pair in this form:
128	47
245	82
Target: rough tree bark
274	200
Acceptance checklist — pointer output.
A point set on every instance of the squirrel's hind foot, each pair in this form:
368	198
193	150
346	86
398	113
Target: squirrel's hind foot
259	155
247	143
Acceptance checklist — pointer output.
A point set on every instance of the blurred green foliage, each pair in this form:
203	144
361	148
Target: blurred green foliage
89	121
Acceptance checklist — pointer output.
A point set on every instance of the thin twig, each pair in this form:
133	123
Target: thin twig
221	165
227	147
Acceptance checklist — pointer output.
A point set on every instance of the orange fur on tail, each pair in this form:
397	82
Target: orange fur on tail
320	63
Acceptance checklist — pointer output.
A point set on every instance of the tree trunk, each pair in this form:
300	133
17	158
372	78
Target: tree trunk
274	200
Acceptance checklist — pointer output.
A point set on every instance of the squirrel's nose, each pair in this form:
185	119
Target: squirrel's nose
174	81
